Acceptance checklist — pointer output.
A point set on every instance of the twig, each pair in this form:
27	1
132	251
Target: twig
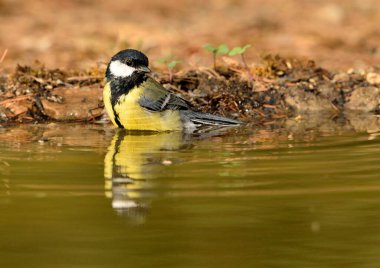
39	105
247	68
170	75
3	56
210	72
94	115
83	78
15	99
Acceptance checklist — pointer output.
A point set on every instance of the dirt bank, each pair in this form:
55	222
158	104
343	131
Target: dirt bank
271	89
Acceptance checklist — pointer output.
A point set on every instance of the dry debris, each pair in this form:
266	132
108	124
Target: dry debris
38	94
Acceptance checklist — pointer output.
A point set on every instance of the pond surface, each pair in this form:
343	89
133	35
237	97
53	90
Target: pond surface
91	196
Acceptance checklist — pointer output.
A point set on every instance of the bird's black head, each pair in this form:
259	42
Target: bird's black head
128	63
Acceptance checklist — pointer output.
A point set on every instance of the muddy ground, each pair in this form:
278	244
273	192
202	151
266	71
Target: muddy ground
274	89
328	64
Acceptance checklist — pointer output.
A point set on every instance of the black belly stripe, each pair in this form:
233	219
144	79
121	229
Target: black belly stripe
116	118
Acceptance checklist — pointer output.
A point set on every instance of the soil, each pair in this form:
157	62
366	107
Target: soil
274	89
328	63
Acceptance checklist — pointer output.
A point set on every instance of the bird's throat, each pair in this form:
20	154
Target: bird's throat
123	85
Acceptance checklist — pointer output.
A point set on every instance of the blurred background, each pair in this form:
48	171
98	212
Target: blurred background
338	34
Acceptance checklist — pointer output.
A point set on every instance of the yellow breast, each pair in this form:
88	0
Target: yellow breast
132	116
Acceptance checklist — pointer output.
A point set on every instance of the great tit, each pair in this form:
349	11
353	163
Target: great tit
135	101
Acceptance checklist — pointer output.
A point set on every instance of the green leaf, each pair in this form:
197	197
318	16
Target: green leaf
239	50
246	47
222	49
172	64
235	51
210	48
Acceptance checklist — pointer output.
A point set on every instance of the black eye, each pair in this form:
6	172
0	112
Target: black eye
128	62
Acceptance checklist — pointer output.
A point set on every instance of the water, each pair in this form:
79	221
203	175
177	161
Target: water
89	196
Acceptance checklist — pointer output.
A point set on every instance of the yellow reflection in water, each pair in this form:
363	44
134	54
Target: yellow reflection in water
131	162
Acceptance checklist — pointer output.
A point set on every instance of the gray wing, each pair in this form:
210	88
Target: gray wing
156	98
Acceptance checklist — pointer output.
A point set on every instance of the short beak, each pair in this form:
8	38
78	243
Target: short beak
143	69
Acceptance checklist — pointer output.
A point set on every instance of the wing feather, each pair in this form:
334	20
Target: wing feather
156	98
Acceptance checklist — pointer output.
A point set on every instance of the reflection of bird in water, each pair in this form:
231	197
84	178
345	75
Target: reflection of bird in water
130	165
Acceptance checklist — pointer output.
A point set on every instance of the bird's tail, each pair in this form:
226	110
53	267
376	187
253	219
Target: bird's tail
199	118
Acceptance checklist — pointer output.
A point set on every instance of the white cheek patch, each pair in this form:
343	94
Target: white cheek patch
120	69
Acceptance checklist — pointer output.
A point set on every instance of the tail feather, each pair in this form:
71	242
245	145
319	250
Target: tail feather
209	119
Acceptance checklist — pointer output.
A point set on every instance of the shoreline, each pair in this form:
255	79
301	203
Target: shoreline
272	89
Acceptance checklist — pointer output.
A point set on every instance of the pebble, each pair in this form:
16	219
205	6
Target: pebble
364	99
373	78
43	140
167	162
341	77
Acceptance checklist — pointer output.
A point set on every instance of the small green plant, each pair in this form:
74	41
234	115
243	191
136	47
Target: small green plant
170	64
222	49
240	51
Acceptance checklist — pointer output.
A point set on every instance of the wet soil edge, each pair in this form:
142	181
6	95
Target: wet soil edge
273	89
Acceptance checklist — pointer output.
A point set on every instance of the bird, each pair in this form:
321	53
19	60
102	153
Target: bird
136	101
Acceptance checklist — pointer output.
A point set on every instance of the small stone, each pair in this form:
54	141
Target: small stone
364	99
298	118
373	78
167	162
361	72
313	81
306	102
351	71
341	77
43	140
328	91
